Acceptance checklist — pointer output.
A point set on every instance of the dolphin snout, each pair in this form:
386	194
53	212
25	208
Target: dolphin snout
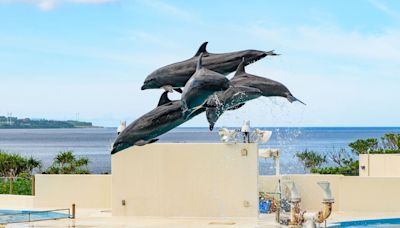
270	53
292	99
143	87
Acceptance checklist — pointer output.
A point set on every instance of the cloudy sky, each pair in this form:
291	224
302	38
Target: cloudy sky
63	57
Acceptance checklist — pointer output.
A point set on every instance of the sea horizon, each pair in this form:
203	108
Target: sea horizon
95	143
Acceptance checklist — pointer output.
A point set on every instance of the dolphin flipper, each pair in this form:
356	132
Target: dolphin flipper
144	142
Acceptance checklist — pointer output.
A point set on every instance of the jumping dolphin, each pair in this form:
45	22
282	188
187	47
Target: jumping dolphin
230	99
176	75
268	87
200	86
166	116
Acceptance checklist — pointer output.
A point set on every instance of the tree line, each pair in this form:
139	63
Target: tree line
344	161
65	162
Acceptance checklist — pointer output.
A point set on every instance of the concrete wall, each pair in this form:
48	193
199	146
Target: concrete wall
186	180
16	201
61	191
371	194
380	165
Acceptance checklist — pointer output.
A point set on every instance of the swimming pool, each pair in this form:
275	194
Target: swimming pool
390	222
13	216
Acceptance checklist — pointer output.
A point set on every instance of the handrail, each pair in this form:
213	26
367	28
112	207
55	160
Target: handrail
29	213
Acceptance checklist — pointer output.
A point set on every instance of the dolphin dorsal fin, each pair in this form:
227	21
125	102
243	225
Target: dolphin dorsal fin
199	62
240	69
202	49
164	99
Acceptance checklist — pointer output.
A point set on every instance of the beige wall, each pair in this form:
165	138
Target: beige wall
185	180
16	201
372	194
380	165
378	194
61	191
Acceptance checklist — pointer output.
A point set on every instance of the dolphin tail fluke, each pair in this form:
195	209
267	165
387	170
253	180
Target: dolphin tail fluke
292	99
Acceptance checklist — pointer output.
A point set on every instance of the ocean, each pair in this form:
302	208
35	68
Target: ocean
95	143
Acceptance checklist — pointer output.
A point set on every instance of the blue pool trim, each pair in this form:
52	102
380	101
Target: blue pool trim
386	221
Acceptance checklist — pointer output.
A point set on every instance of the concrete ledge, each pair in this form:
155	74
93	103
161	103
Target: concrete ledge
16	201
86	191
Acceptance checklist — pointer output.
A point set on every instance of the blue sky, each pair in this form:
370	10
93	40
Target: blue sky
62	57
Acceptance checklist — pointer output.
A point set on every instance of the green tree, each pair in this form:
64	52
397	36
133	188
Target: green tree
311	159
363	146
32	164
12	165
66	162
390	142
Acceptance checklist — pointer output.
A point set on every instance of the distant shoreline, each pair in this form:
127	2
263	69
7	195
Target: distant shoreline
27	123
50	127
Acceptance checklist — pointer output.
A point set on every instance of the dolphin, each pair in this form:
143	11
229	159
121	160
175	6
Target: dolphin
200	86
242	79
166	116
268	87
176	75
232	98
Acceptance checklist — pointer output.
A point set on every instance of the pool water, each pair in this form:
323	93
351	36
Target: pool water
11	216
390	222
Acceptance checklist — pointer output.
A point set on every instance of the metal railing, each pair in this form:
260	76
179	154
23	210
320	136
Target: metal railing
33	216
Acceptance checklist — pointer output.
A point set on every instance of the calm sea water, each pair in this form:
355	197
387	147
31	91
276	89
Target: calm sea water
95	143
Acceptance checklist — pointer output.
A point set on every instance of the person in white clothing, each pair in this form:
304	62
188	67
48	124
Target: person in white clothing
246	131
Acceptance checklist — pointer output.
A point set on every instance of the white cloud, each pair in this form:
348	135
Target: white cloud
47	5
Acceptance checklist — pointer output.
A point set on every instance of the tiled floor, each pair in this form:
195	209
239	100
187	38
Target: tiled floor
103	218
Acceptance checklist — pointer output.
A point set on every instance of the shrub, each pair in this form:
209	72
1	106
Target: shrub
351	169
